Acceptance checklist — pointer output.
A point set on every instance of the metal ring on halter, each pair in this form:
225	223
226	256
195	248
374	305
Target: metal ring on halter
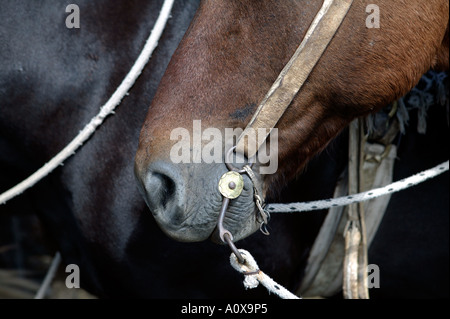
231	167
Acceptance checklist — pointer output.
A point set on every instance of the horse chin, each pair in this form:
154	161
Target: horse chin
184	233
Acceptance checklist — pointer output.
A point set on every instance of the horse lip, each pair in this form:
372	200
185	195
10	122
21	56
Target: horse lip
181	227
184	233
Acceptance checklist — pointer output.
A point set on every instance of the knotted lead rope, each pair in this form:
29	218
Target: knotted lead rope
230	186
254	276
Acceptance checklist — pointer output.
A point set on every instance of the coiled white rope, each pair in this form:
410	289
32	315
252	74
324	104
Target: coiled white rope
105	110
254	276
360	197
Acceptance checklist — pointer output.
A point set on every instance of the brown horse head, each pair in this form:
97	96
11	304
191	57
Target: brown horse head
224	66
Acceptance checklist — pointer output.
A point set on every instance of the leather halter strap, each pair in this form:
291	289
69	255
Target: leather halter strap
293	75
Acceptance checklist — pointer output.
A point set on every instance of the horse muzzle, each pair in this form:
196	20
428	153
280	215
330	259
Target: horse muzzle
185	201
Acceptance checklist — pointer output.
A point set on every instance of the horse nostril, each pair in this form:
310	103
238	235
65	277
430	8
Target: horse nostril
164	189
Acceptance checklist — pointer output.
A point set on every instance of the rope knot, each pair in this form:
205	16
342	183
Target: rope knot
253	276
249	268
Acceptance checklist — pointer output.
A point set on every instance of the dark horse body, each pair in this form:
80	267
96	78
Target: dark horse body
52	81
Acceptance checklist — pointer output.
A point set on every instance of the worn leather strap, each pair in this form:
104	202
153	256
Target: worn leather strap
293	75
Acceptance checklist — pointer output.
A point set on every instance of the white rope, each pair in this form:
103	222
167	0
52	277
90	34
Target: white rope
254	276
105	110
360	197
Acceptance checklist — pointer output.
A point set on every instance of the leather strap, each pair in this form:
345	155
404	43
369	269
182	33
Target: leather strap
293	75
